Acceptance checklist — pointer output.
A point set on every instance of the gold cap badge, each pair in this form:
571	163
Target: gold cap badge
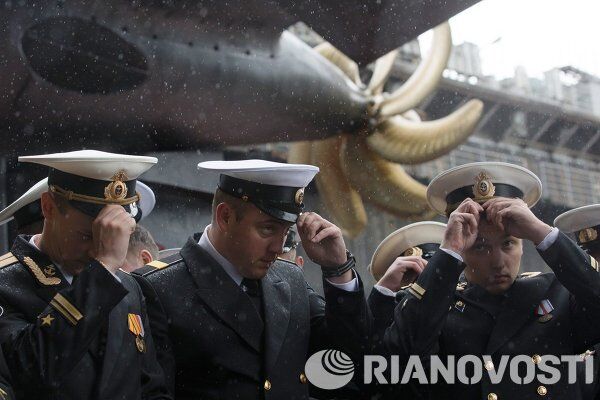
299	198
413	251
587	235
116	190
483	189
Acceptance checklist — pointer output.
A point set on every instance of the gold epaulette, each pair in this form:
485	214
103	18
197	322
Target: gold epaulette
530	274
416	290
286	261
61	304
8	259
158	265
594	263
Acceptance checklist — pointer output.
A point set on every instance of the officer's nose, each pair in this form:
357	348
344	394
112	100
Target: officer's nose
495	259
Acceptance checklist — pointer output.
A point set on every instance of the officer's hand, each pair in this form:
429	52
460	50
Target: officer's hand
404	270
322	240
111	230
515	218
461	230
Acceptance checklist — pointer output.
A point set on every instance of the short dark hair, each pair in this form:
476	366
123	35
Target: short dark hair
141	239
238	205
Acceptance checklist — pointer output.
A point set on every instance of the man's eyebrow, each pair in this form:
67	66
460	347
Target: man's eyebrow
271	221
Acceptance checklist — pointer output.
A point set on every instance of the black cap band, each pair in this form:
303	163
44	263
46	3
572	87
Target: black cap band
457	196
425	250
81	187
281	202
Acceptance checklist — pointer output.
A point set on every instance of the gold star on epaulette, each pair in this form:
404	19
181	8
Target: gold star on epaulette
47	320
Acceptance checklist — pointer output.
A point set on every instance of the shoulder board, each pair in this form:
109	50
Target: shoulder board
530	274
594	263
157	265
7	259
287	261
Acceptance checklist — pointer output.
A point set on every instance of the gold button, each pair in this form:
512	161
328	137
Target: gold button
542	390
536	359
303	378
489	365
492	396
267	385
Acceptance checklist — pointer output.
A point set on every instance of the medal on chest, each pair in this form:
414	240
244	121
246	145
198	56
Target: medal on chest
137	328
544	311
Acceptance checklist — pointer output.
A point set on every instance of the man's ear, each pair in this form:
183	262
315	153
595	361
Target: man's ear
224	215
49	208
146	256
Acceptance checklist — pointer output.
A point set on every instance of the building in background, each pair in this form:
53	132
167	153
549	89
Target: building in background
465	59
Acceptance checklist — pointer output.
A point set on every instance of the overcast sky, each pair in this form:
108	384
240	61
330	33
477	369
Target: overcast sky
538	34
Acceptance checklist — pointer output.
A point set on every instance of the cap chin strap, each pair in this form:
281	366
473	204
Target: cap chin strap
70	195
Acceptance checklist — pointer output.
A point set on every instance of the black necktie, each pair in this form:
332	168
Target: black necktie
251	287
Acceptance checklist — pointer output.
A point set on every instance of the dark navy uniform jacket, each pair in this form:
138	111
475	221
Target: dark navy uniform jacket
213	343
72	341
6	392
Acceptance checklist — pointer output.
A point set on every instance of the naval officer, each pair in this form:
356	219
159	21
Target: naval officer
230	319
584	224
74	325
396	263
470	299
